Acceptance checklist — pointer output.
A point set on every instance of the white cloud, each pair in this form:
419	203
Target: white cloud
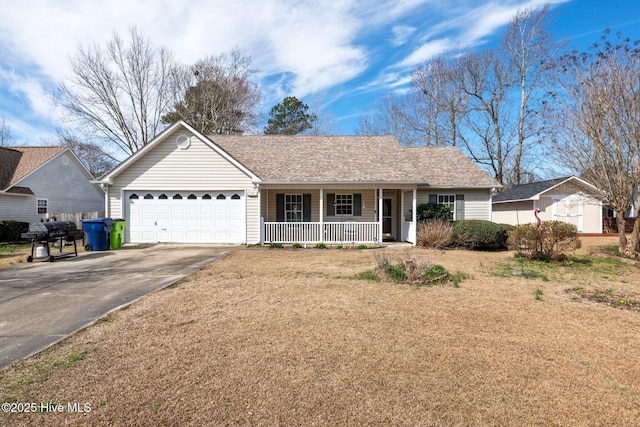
427	51
401	33
300	48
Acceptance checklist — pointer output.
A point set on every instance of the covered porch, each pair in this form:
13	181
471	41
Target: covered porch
341	215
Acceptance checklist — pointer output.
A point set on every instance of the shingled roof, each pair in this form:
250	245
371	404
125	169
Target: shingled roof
18	162
527	191
351	159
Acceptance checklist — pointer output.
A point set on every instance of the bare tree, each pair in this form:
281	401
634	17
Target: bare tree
439	107
469	100
484	78
528	48
325	122
6	135
119	92
393	115
599	135
216	95
93	157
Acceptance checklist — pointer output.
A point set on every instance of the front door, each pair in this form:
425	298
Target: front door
387	219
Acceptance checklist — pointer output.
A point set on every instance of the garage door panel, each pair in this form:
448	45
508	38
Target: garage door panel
192	223
148	209
219	219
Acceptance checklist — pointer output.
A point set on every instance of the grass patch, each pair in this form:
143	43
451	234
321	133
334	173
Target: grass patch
368	275
538	294
297	246
608	297
276	246
39	373
585	266
613	250
321	246
12	249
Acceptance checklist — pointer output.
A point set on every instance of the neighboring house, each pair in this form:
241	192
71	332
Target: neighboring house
37	181
568	199
185	187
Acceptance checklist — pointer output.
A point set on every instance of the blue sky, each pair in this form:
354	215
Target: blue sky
336	55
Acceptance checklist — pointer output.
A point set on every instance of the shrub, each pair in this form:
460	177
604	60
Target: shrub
10	230
478	234
408	270
297	246
550	241
321	245
432	211
434	234
276	246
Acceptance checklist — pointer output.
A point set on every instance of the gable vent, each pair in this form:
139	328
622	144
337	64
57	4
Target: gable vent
183	142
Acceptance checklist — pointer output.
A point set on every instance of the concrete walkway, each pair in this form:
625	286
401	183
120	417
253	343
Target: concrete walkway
41	303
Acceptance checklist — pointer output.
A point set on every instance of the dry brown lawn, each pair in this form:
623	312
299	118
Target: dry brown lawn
289	337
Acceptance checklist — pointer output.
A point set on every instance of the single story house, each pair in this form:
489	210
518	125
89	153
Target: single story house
568	199
38	181
186	187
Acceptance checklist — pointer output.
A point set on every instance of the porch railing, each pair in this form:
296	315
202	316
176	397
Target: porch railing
327	232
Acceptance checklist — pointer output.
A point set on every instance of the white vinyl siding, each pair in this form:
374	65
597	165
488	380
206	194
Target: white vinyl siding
66	188
199	168
477	203
513	213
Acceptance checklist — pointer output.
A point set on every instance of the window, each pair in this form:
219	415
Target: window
235	197
134	196
221	197
177	197
293	207
192	197
163	196
42	206
449	200
344	204
148	196
206	197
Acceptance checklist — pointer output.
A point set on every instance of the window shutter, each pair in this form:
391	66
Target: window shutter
280	207
433	198
357	204
459	207
331	209
306	208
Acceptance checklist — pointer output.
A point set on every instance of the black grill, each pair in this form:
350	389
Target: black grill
57	232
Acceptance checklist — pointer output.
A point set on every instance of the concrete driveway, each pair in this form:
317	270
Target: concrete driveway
43	302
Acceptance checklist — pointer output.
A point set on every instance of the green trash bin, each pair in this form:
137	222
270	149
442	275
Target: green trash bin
117	233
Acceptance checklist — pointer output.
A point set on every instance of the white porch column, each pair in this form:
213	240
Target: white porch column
322	214
402	222
380	215
414	215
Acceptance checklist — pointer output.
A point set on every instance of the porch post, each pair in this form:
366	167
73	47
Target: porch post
414	216
380	215
322	214
402	223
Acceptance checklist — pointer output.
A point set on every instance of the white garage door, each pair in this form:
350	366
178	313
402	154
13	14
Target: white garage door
186	217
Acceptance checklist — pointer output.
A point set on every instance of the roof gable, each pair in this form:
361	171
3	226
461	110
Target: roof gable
19	162
110	176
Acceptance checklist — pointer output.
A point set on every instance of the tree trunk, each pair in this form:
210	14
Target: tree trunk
622	238
632	245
